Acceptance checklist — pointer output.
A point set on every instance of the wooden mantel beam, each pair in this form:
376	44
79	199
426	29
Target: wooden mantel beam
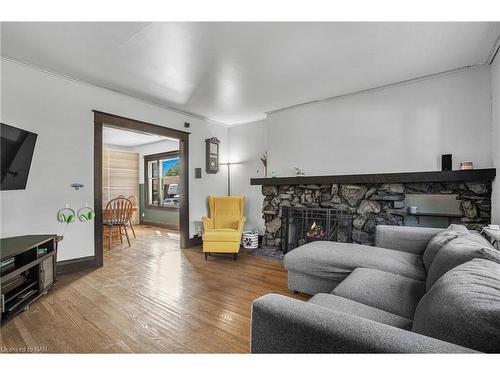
472	175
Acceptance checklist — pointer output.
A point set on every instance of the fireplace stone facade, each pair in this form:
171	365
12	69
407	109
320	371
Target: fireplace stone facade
370	204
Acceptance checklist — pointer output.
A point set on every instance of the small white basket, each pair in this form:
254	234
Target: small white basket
250	239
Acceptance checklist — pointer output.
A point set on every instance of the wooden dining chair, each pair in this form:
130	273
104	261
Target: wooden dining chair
134	205
118	214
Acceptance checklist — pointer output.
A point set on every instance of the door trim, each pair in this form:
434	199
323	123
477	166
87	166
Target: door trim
102	119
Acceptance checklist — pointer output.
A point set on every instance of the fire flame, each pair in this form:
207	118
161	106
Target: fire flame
316	231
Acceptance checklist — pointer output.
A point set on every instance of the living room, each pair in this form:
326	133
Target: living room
250	187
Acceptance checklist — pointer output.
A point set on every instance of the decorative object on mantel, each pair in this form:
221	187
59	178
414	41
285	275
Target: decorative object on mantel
263	159
446	162
212	155
413	210
299	172
466	165
274	174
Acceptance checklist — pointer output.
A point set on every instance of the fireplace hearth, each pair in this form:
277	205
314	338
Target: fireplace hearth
301	225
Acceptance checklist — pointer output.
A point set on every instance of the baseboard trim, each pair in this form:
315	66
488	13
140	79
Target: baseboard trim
193	242
165	226
75	265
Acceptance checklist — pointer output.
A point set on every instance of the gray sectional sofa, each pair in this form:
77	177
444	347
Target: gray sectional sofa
418	290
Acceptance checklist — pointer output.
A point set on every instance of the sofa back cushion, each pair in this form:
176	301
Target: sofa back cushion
441	239
463	307
458	251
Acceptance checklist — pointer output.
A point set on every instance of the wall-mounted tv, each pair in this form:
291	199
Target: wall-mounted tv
17	146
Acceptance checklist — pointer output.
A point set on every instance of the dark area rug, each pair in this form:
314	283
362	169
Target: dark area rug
267	252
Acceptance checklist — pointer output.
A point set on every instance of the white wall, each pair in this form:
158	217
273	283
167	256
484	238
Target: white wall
398	129
247	143
60	111
495	139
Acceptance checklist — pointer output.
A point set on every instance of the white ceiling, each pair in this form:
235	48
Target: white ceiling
235	72
124	138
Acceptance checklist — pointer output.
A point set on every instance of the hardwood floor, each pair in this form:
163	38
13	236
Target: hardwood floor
150	298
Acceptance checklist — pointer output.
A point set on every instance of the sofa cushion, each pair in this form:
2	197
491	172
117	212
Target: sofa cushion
336	260
408	239
441	239
463	307
458	251
383	290
349	306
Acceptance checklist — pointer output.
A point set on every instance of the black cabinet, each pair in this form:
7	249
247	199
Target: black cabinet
27	271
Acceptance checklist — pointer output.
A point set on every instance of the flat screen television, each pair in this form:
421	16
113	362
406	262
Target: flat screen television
17	146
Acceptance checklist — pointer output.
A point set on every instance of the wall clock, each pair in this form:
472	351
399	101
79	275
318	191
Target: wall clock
212	155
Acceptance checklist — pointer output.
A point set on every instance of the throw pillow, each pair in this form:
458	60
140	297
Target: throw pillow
458	251
463	307
441	239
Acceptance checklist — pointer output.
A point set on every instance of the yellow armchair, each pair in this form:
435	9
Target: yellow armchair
223	229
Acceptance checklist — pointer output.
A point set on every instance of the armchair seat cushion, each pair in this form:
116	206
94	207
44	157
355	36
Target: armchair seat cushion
383	290
222	235
336	260
348	306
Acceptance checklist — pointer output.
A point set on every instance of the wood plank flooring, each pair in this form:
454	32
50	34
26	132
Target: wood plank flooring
150	298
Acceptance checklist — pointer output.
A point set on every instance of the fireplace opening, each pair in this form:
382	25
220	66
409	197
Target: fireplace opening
316	233
303	225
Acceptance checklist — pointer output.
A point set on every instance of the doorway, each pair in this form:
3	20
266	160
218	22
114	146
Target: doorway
158	193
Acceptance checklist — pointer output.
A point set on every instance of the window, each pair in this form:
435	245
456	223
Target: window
161	172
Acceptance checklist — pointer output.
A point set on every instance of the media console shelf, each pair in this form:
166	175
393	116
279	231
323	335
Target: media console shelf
27	271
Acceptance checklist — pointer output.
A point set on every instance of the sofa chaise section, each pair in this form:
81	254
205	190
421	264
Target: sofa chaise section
320	266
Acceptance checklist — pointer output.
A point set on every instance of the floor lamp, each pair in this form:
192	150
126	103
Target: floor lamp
228	177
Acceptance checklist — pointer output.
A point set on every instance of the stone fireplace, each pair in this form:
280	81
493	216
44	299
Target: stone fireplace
372	202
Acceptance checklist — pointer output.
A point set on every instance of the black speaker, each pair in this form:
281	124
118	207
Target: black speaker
446	162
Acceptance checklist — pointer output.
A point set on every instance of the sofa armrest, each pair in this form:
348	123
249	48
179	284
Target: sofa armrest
408	239
285	325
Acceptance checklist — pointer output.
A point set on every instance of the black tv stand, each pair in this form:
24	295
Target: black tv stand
27	271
